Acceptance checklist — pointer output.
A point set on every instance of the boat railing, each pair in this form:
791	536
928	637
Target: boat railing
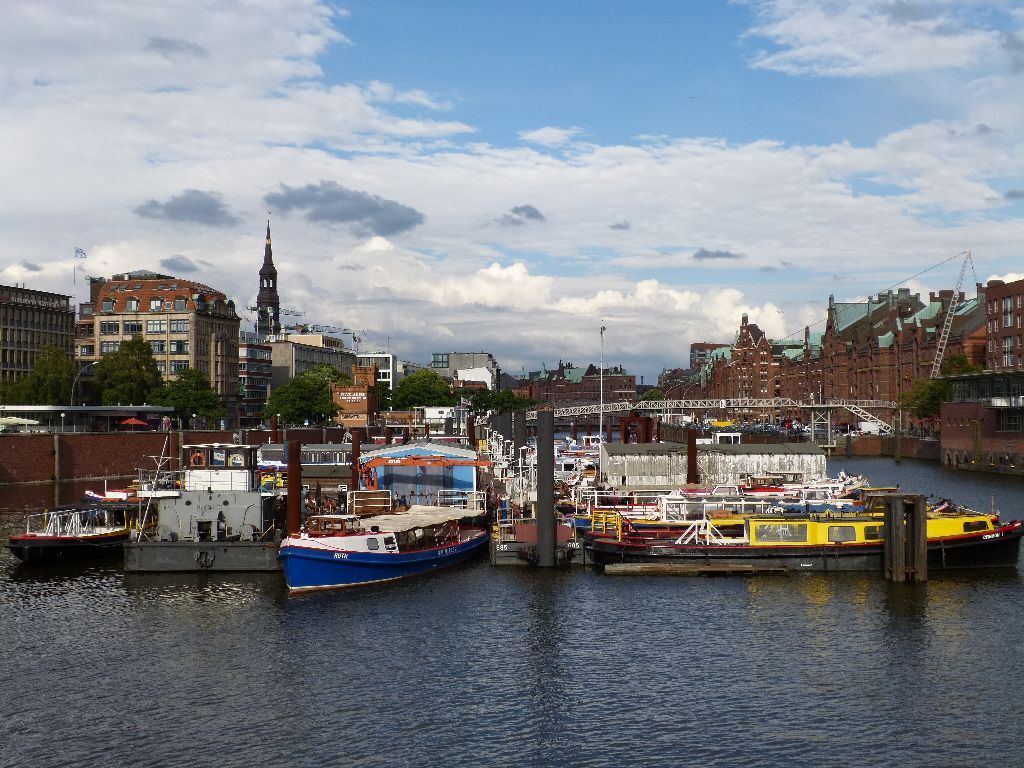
469	500
368	503
680	508
160	480
615	499
73	522
704	531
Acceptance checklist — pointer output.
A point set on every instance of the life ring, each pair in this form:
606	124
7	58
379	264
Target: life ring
198	459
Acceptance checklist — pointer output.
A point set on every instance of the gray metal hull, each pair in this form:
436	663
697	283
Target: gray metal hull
200	556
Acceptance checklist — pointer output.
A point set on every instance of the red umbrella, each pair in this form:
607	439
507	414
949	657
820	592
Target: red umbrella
133	422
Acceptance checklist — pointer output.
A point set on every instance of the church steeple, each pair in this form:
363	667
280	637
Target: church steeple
268	304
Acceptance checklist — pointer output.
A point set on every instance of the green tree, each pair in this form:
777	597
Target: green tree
307	397
48	384
189	393
958	364
925	397
128	376
652	394
328	374
383	396
422	388
485	400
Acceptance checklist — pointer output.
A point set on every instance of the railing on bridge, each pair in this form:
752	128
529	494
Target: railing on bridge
860	408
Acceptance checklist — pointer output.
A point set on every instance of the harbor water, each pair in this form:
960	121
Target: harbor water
519	667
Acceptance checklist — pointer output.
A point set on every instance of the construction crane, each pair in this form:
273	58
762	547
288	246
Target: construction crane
357	335
281	311
947	325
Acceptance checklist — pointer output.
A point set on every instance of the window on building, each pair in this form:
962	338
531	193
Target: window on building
155	305
439	360
179	347
159	346
180	305
110	328
108	305
1008	352
107	347
132	327
179	326
1007	312
156	326
160	366
87	350
178	365
131	305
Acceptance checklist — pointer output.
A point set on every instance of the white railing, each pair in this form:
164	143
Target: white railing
469	500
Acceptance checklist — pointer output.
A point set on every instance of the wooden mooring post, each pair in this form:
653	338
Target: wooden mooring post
905	542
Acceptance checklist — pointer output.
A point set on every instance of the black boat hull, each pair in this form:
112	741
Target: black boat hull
66	549
993	549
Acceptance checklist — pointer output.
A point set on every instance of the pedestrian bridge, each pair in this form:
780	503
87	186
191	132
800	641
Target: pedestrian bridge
864	410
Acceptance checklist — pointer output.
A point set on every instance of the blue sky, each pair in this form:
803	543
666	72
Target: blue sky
506	177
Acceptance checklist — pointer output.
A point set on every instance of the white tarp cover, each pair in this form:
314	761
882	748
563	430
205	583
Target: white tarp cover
418	516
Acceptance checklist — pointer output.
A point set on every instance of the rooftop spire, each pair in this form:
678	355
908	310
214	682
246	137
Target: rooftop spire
268	305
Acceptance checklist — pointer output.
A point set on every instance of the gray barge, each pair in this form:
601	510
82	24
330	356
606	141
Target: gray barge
210	516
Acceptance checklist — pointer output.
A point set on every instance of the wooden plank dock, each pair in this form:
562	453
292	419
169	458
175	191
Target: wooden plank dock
689	569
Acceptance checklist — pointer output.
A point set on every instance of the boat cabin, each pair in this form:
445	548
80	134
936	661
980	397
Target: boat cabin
219	466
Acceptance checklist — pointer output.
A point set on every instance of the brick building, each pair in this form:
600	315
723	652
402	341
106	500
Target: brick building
1004	313
358	401
870	350
187	324
568	385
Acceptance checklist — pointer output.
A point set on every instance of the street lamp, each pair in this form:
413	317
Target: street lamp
193	421
62	421
74	381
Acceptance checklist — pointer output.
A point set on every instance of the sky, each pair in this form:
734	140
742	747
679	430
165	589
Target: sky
511	177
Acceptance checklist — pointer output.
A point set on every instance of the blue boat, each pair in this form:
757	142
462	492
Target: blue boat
338	551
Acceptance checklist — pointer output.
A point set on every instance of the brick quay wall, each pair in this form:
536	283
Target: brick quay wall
56	457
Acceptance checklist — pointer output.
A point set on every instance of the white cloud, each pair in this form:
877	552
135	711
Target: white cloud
550	136
874	37
254	115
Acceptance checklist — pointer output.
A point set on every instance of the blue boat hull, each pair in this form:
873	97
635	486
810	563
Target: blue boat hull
307	569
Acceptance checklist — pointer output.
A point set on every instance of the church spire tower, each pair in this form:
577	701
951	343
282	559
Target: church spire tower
268	304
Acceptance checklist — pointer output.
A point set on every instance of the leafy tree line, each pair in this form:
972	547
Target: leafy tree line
130	376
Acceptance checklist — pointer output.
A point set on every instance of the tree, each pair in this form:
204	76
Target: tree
485	400
190	393
925	397
328	374
50	382
958	364
307	397
383	396
128	376
422	388
652	394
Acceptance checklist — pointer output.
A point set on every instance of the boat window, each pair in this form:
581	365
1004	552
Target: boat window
781	532
217	457
840	533
975	525
372	544
872	532
389	542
